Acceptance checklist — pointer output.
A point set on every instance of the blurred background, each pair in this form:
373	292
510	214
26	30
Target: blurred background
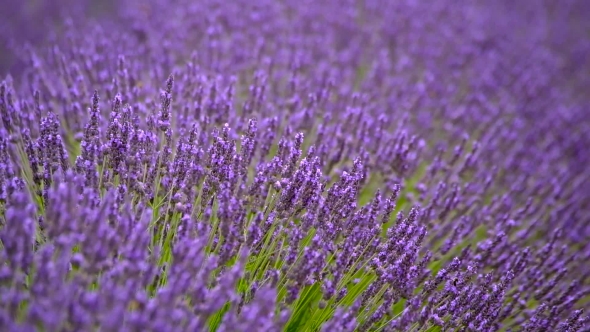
561	26
34	22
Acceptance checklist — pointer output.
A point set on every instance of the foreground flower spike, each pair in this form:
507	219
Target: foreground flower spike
285	166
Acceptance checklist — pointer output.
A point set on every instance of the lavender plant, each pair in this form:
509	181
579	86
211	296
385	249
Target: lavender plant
297	166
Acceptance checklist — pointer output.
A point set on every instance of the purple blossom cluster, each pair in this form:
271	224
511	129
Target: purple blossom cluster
297	166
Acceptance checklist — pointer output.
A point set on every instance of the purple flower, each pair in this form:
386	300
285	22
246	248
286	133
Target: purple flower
270	166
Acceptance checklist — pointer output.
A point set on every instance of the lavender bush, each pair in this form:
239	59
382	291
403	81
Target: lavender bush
268	165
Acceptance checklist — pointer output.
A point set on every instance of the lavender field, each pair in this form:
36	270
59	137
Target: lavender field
282	165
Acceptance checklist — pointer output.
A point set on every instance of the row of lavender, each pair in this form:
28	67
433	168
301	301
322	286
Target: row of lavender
334	166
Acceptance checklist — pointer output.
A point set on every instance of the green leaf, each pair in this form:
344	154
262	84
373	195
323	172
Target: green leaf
301	317
215	320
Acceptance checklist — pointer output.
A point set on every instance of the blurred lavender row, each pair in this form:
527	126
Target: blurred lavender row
264	165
